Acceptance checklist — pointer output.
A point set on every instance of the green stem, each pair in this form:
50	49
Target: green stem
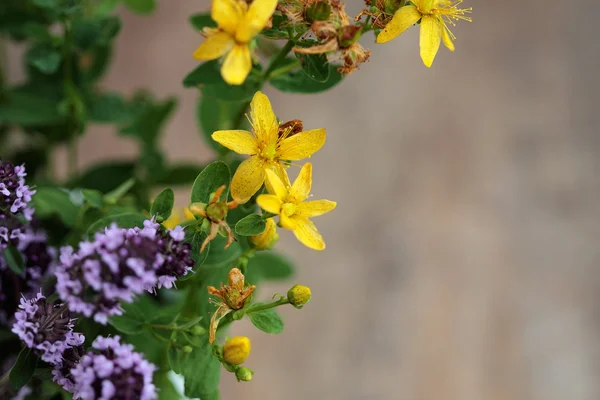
68	82
274	304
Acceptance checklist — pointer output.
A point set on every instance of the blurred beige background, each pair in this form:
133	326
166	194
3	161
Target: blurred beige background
462	260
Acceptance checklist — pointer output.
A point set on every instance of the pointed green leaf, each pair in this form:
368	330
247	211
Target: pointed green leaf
209	180
251	225
163	205
23	369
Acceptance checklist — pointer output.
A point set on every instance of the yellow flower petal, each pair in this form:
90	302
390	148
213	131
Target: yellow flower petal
269	203
214	46
431	36
301	187
256	18
447	39
403	19
301	145
426	5
237	65
242	142
263	119
314	208
306	232
172	221
275	186
248	179
287	222
228	14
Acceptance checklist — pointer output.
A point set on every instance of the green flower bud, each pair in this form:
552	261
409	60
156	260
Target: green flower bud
244	374
318	12
298	295
187	349
197	330
217	211
349	35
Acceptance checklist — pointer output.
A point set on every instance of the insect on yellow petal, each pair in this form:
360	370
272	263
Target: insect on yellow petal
430	39
248	178
275	186
214	46
259	13
228	14
301	145
269	203
301	187
314	208
237	65
403	19
306	232
263	119
242	142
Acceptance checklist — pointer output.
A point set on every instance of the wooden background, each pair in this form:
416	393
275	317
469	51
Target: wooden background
462	260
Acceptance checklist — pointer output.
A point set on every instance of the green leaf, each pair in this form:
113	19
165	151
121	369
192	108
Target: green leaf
202	372
206	73
176	359
209	180
202	20
131	322
100	59
90	32
225	92
214	115
45	58
183	174
163	205
150	119
108	107
104	7
123	220
36	31
49	201
219	256
277	31
251	225
27	108
46	3
269	265
105	177
114	195
23	369
93	197
166	390
197	240
315	66
141	6
266	320
299	82
14	259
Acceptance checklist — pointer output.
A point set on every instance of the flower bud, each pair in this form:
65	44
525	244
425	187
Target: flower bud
349	35
217	211
197	330
319	11
268	238
187	349
298	295
244	374
236	350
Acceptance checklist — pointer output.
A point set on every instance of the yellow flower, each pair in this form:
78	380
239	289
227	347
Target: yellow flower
288	201
267	148
178	216
268	238
435	15
236	350
238	25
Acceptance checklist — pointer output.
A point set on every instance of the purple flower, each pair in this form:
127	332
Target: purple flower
118	265
15	195
38	262
46	327
113	371
61	373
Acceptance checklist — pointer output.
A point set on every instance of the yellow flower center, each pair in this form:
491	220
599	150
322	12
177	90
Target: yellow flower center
288	209
269	152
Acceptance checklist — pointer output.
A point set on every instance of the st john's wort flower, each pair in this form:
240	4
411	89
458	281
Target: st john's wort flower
238	25
435	16
267	147
113	371
15	195
45	327
289	202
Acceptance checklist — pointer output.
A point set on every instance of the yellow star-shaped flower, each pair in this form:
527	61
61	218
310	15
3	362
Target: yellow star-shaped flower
289	202
238	25
267	148
435	15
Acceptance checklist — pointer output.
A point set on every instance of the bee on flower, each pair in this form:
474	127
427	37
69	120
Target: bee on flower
289	202
232	297
435	16
238	25
268	148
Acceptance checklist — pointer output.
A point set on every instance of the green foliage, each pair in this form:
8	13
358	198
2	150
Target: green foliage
209	180
14	259
141	6
270	266
23	369
250	225
266	320
123	220
49	201
202	20
202	372
163	205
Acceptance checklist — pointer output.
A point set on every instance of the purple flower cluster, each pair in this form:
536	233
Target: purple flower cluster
118	265
46	327
114	370
15	195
